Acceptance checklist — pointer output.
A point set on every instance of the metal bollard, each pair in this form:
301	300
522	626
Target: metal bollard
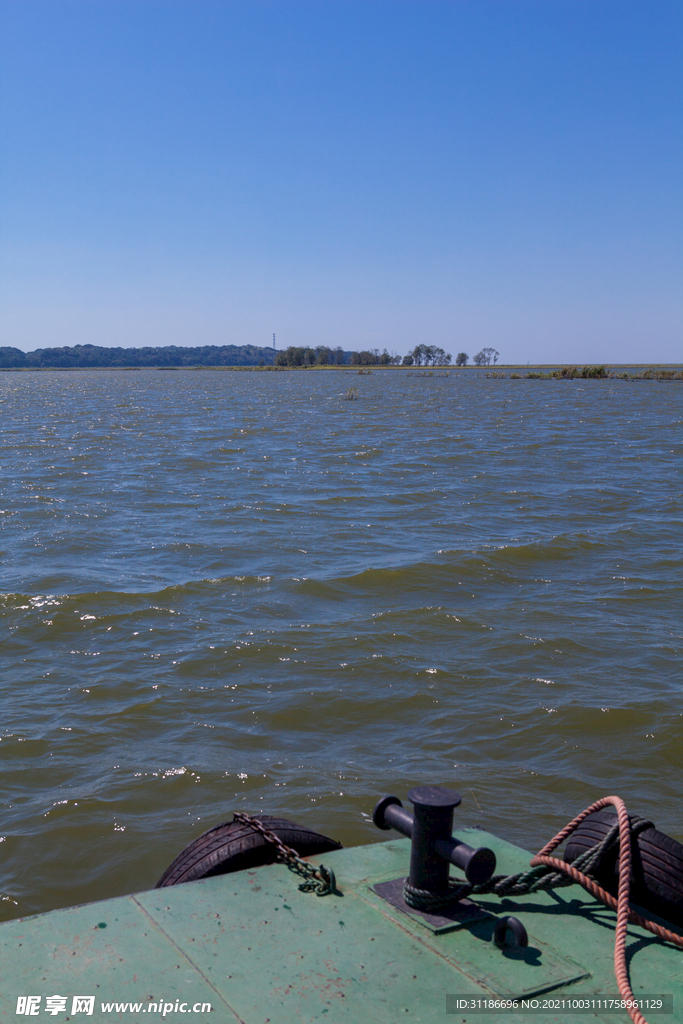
433	847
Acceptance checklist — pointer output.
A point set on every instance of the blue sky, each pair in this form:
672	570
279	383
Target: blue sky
365	174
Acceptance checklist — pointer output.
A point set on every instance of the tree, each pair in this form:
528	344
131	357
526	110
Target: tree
461	359
408	360
439	357
365	358
292	356
295	356
429	355
12	357
484	357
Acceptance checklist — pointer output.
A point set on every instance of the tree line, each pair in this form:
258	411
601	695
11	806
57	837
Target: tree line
323	356
427	355
96	356
483	358
430	355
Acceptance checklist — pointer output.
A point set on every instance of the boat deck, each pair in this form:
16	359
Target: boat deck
259	951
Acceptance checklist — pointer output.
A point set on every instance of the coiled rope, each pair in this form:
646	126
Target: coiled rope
548	872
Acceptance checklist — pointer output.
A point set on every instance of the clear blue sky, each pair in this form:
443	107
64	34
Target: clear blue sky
365	174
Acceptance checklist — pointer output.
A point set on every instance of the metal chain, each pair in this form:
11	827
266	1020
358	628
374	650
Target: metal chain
535	879
319	880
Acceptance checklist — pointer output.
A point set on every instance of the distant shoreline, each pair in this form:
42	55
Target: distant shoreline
531	371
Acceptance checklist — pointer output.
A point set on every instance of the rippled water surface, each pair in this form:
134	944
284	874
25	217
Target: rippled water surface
232	590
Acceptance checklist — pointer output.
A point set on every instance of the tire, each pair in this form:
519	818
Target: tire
234	846
656	865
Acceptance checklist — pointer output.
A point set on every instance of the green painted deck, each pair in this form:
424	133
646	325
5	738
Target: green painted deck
261	952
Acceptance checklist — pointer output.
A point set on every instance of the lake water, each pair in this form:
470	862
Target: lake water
228	590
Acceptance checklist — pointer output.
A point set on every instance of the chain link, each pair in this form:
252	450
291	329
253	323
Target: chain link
319	880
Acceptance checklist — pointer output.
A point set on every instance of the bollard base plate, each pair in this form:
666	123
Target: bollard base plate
457	916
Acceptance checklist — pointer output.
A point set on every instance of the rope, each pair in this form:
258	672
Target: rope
547	872
535	879
433	902
621	904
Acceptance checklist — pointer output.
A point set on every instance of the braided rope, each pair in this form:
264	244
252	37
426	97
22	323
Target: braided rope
535	879
546	872
621	904
433	902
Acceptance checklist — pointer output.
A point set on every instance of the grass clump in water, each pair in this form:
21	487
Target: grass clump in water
655	375
599	373
570	373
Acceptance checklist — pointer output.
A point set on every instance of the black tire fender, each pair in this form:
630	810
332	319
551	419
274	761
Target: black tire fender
234	846
656	865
